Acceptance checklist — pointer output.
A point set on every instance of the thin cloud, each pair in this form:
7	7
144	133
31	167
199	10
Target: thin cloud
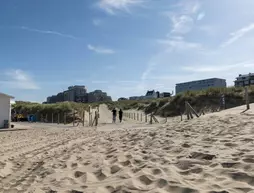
19	79
183	18
238	34
216	68
110	6
100	50
49	32
182	24
201	16
176	44
97	22
100	82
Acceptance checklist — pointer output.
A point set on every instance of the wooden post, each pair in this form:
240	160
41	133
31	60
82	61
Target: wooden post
247	98
46	118
73	118
181	116
98	112
141	117
151	118
134	116
58	118
190	107
52	118
65	118
191	116
89	115
96	117
137	116
146	118
83	122
187	110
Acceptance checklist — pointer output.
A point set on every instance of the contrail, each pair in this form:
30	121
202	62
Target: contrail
48	32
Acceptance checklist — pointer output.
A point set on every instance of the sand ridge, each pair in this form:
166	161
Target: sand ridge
214	153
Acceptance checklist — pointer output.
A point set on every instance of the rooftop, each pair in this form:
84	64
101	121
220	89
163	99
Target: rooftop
245	75
6	95
201	80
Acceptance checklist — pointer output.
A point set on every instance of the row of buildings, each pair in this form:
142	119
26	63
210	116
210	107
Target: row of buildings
150	94
241	80
79	94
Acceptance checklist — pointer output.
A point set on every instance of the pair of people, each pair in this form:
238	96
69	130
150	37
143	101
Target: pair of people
120	113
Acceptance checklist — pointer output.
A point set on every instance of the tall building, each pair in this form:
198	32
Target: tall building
79	94
244	80
200	85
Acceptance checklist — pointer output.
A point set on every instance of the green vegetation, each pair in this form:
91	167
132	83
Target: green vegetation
205	100
64	107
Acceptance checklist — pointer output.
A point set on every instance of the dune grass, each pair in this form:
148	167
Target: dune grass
201	100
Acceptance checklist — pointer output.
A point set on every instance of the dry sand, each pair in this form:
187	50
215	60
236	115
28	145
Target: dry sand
213	153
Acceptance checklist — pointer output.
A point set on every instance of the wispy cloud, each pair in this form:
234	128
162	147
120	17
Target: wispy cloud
97	22
19	79
100	50
238	34
178	43
49	32
182	18
100	82
201	16
110	6
219	68
181	24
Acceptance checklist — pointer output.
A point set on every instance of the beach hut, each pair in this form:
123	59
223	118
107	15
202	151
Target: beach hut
5	110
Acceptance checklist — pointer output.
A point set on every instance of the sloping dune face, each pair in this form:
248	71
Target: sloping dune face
213	153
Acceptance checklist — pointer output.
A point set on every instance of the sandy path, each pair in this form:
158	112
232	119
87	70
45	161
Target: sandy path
214	153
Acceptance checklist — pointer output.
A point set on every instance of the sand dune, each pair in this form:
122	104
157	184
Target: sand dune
214	153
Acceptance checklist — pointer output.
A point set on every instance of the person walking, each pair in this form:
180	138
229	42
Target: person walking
120	115
114	115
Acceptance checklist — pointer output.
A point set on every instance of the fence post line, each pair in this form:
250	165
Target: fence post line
187	110
247	98
151	118
146	118
83	119
58	118
73	118
190	107
137	116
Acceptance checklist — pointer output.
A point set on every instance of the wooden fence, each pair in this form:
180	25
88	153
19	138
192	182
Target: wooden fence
141	117
84	118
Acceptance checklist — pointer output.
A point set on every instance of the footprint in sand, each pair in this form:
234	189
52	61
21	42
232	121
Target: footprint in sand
199	155
114	169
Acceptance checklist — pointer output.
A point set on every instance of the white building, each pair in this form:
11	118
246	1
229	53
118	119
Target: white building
5	108
244	80
201	85
151	94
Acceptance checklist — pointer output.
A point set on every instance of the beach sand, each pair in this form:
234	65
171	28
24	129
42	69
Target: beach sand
213	153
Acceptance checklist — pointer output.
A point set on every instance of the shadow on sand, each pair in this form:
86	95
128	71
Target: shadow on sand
6	130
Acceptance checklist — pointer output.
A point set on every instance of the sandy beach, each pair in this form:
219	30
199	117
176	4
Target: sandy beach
213	153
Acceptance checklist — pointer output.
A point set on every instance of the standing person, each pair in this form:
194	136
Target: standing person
120	115
114	115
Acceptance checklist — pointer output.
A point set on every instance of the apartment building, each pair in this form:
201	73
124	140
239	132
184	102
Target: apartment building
79	94
200	85
244	80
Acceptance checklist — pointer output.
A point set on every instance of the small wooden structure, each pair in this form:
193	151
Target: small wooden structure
189	110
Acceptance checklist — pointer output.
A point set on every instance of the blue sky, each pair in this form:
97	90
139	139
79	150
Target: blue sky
124	47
